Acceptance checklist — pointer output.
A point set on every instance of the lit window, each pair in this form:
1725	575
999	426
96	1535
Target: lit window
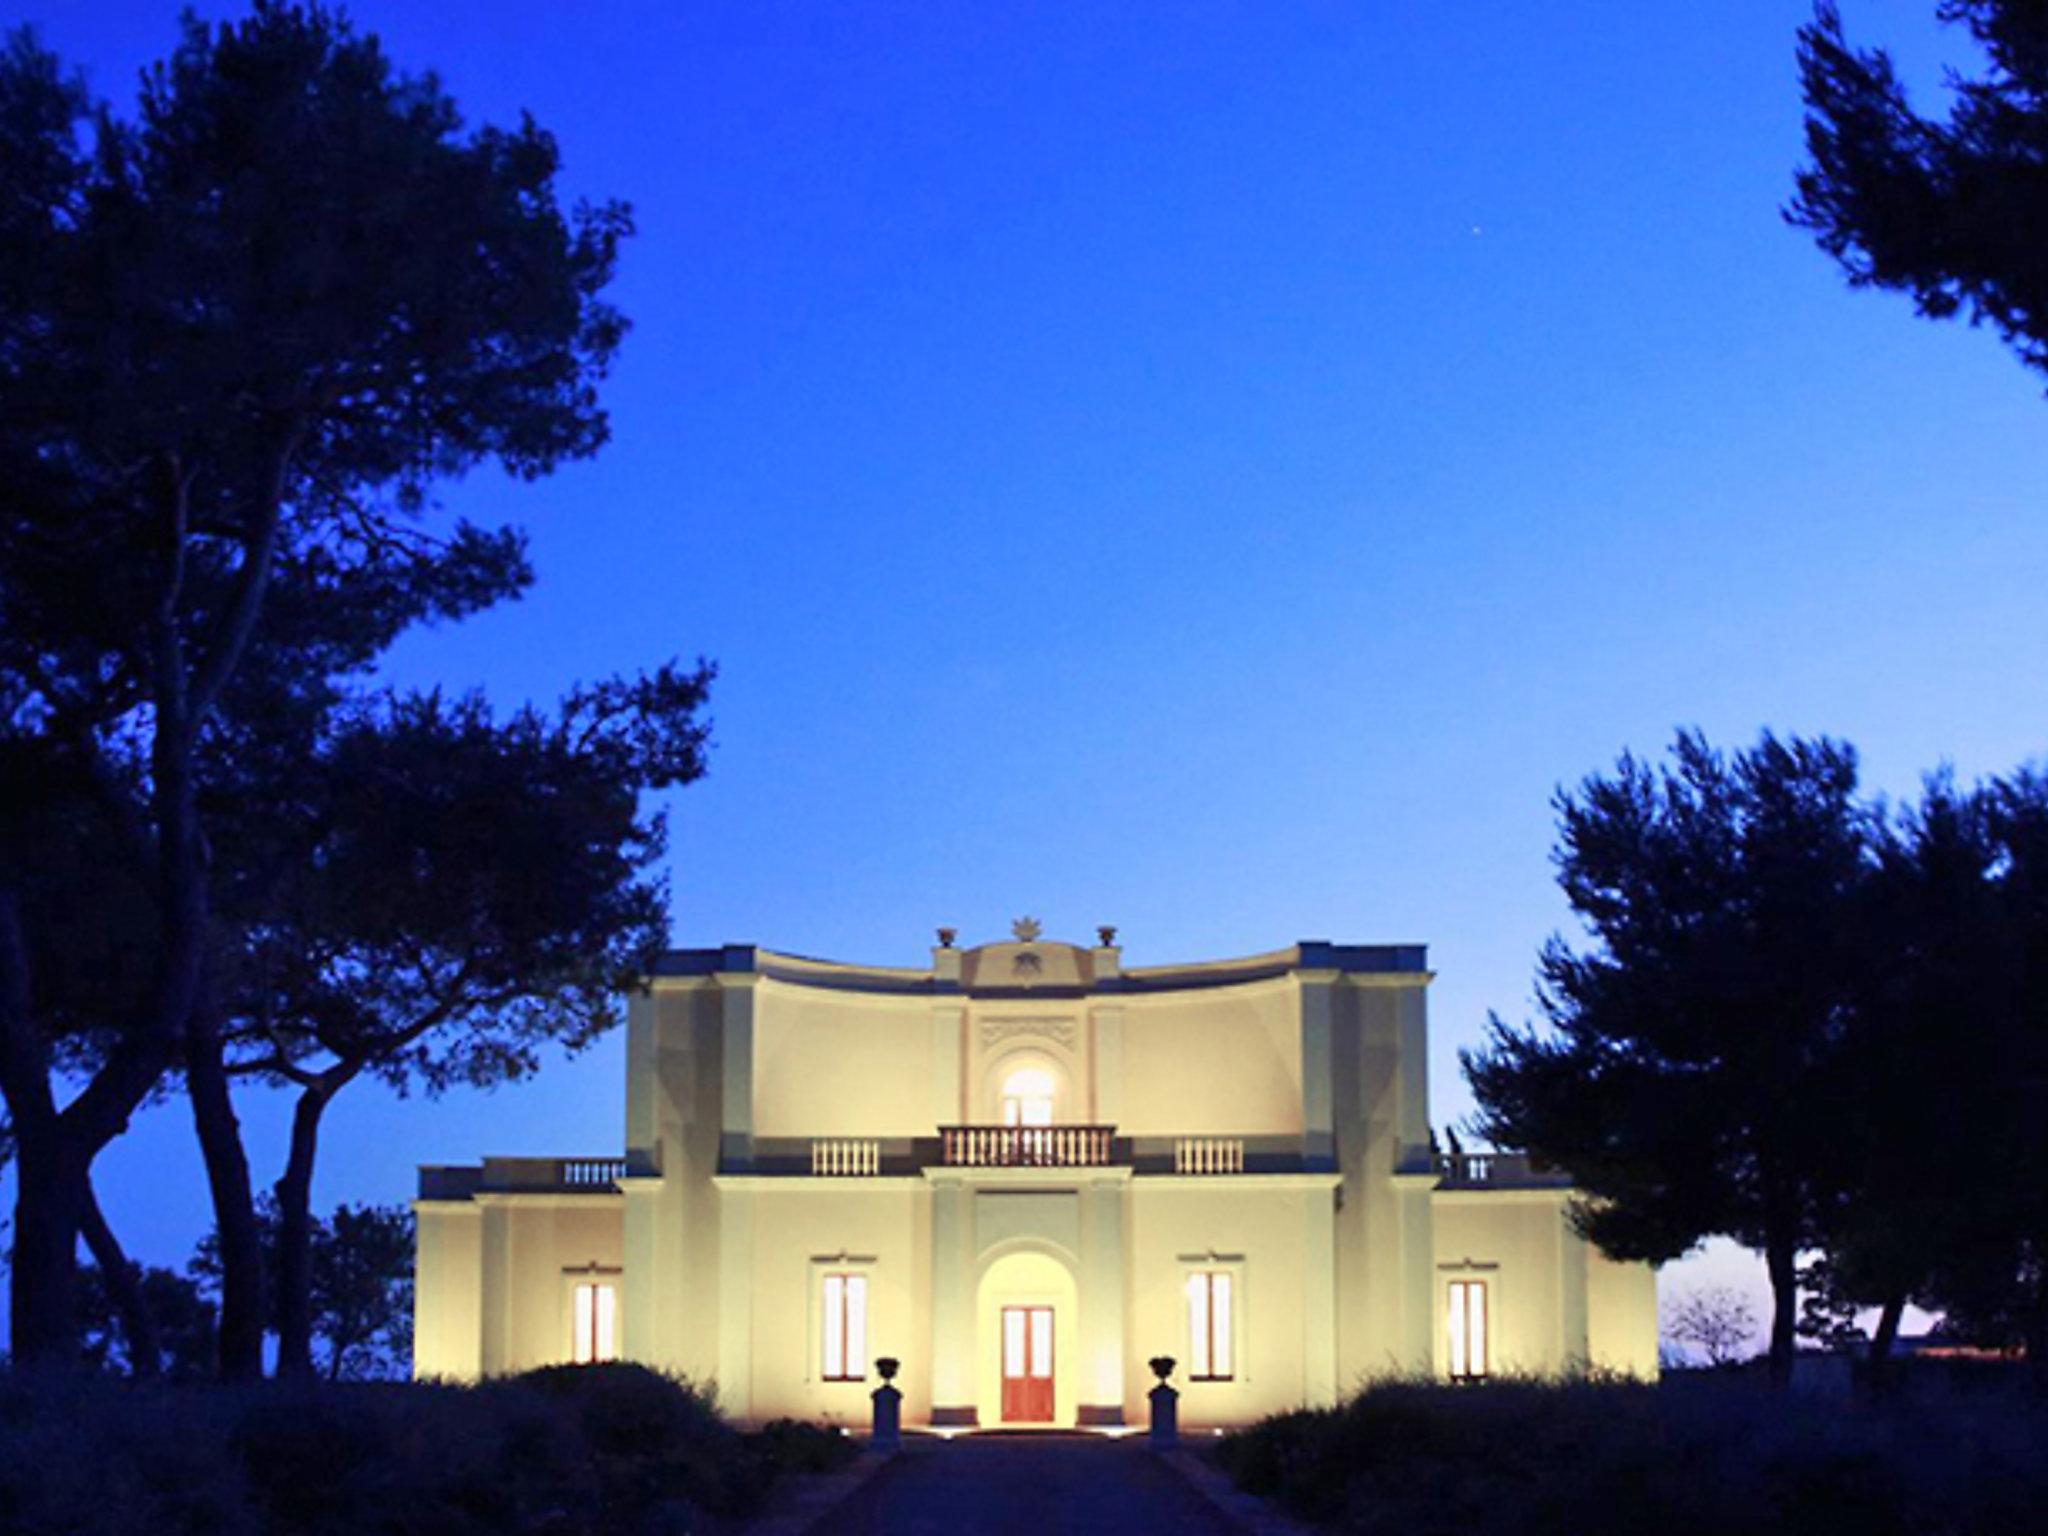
844	1304
1465	1316
596	1315
1210	1299
1027	1097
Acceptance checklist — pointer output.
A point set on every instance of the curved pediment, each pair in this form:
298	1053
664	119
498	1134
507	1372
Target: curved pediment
1026	963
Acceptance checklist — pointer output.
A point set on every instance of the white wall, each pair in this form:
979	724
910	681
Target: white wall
1225	1061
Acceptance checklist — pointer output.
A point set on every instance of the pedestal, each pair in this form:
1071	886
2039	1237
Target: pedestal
1165	1417
888	1426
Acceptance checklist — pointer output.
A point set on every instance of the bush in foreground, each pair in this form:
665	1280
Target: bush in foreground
613	1450
1690	1459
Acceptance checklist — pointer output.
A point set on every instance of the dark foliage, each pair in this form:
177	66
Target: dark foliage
1699	1458
182	1321
1684	1076
359	1287
575	1451
242	334
1954	210
428	894
1807	1022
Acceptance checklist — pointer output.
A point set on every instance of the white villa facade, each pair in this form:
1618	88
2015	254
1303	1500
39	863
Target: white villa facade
1023	1172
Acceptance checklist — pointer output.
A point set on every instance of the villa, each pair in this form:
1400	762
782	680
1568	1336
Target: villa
1024	1171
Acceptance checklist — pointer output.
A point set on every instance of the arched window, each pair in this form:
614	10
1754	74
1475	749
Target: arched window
1027	1097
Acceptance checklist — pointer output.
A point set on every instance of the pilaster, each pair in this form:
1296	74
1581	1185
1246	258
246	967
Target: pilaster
952	1344
1414	1346
948	1085
735	1303
1109	1063
736	1120
1574	1323
1102	1303
1319	1298
1318	1118
642	1330
495	1295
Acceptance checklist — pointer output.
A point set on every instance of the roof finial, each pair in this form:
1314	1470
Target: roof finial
1026	929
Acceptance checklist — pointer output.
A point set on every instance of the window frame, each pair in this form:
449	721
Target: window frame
1456	1343
1207	1274
599	1277
848	1275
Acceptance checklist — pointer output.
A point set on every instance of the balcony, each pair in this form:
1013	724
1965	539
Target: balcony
992	1146
1495	1170
524	1176
1026	1146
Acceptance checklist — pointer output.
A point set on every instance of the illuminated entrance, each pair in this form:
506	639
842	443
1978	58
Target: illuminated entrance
1027	1365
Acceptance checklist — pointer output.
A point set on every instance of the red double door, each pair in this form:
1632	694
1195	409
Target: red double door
1027	1365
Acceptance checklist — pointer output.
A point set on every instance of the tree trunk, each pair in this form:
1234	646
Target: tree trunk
242	1317
1781	1261
294	1300
49	1202
124	1288
1881	1372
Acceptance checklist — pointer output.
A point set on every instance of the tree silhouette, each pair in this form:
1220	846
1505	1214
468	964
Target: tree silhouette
430	895
1682	1079
241	337
360	1285
1716	1321
1953	211
1906	1181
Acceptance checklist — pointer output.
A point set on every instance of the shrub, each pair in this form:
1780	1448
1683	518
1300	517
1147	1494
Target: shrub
795	1446
1700	1458
655	1440
575	1451
87	1456
324	1460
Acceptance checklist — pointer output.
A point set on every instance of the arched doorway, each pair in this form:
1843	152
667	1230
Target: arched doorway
1027	1332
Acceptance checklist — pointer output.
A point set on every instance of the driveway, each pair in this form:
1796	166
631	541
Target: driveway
1029	1485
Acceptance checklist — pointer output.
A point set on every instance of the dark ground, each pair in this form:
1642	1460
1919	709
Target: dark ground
1028	1484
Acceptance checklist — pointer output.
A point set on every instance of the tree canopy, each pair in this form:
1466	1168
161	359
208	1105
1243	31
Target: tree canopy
1803	1019
1950	210
429	895
1679	1077
243	333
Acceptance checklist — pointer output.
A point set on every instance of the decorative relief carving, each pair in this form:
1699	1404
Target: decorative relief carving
1059	1031
1026	962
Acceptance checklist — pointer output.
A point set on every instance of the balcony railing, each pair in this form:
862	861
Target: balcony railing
589	1172
525	1176
1208	1154
846	1156
1025	1146
1495	1170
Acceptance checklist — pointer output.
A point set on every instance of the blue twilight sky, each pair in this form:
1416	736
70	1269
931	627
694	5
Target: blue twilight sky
1210	468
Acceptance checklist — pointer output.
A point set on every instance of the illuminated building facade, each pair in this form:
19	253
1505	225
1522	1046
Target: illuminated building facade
1023	1171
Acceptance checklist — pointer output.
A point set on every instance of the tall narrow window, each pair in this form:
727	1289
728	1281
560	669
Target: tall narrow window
595	1318
1210	1308
844	1304
1465	1316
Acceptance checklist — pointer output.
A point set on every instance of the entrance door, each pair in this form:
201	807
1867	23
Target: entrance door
1027	1365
